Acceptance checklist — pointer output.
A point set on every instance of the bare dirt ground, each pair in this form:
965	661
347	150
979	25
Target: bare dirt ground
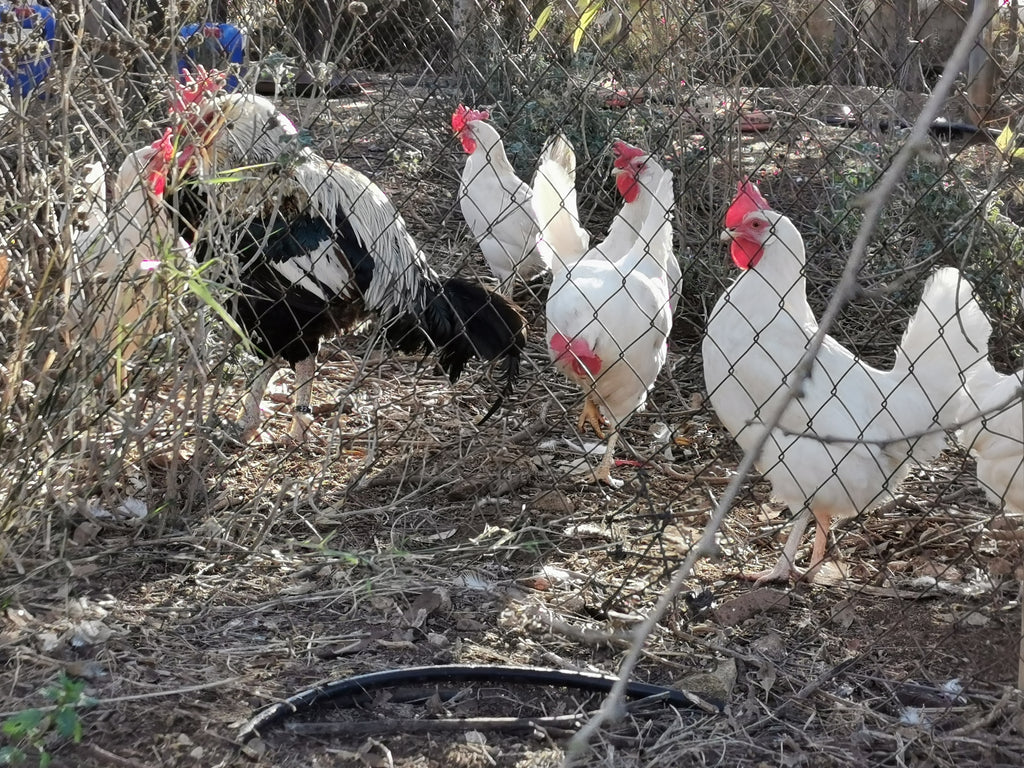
403	535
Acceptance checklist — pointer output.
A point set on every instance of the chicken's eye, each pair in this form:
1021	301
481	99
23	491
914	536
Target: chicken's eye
755	224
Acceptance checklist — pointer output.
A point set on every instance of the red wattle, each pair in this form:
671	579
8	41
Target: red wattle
157	182
577	354
628	186
746	252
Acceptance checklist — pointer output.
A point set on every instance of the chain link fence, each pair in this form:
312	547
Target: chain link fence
136	428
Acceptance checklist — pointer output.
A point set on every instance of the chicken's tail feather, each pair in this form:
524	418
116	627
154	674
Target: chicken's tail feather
557	149
946	340
462	320
555	207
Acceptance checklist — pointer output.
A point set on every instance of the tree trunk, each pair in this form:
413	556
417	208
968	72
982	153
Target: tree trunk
981	69
469	59
714	19
847	62
906	49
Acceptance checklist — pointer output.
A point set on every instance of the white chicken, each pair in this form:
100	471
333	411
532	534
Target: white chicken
847	440
608	313
495	202
996	438
117	251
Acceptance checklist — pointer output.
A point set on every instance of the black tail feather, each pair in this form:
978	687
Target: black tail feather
482	324
462	320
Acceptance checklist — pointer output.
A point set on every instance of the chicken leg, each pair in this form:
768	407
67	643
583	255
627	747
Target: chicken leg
603	473
249	421
786	569
302	413
823	522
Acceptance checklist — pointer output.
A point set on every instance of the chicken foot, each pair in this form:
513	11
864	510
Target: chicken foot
785	569
591	415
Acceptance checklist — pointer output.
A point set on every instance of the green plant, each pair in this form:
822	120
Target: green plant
32	729
939	216
1006	143
592	15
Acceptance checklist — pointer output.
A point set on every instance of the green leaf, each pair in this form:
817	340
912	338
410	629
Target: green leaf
11	756
68	724
542	19
66	690
586	19
1005	140
199	287
23	723
44	759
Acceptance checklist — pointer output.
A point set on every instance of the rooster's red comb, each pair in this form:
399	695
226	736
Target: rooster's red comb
748	198
463	116
164	146
195	88
159	162
625	153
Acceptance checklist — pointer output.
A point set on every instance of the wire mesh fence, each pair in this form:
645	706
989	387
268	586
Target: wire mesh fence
420	315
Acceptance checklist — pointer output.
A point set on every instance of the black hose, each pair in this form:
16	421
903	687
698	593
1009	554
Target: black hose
466	673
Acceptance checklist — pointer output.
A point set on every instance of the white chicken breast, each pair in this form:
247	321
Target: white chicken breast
996	438
117	253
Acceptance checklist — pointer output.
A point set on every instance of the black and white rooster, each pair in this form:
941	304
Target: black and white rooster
314	248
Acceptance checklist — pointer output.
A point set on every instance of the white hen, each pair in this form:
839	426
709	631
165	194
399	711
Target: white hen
625	228
496	203
847	440
117	251
608	315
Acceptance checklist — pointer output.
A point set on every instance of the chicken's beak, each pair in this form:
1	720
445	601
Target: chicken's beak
726	236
